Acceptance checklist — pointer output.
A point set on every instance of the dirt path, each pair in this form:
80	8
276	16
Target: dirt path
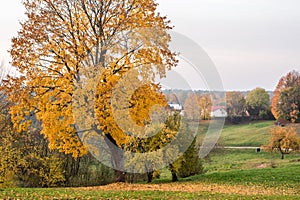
232	147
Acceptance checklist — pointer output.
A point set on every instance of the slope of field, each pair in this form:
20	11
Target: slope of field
254	134
225	160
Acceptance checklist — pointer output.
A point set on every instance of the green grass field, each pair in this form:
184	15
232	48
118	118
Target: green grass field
244	159
230	174
253	134
246	167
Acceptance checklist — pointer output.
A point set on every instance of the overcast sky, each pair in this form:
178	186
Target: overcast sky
252	42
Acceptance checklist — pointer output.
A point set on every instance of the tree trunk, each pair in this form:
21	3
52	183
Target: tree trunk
117	156
282	153
173	172
174	177
150	177
118	163
119	176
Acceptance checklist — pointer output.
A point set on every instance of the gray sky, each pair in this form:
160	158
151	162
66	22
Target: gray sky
252	42
11	12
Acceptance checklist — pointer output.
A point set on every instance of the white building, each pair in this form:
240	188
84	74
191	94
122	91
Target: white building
218	112
176	107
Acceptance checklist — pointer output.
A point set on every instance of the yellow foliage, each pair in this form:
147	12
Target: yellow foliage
101	39
284	139
191	107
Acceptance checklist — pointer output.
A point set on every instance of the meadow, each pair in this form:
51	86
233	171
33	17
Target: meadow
230	174
252	134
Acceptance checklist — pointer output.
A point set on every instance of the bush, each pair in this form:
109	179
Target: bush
40	171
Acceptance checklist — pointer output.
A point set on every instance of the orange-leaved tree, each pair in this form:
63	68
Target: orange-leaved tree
284	139
205	104
191	107
197	107
83	49
286	99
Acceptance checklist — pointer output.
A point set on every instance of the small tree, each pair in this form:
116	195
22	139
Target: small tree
284	139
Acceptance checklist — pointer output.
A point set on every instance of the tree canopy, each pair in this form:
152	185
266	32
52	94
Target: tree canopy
235	103
191	107
285	139
67	45
286	100
258	103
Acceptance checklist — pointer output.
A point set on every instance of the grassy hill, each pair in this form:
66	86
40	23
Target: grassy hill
254	134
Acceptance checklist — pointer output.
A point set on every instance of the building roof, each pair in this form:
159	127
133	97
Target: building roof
214	108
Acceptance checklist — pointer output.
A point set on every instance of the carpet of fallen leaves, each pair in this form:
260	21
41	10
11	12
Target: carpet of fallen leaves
181	190
198	187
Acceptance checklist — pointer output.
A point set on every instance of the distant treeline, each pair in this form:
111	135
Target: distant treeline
240	106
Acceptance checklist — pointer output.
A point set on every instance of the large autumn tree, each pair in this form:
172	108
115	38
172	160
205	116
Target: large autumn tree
286	99
87	46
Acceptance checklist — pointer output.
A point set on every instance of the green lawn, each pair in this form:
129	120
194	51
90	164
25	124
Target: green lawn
248	167
230	174
284	176
245	159
253	134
